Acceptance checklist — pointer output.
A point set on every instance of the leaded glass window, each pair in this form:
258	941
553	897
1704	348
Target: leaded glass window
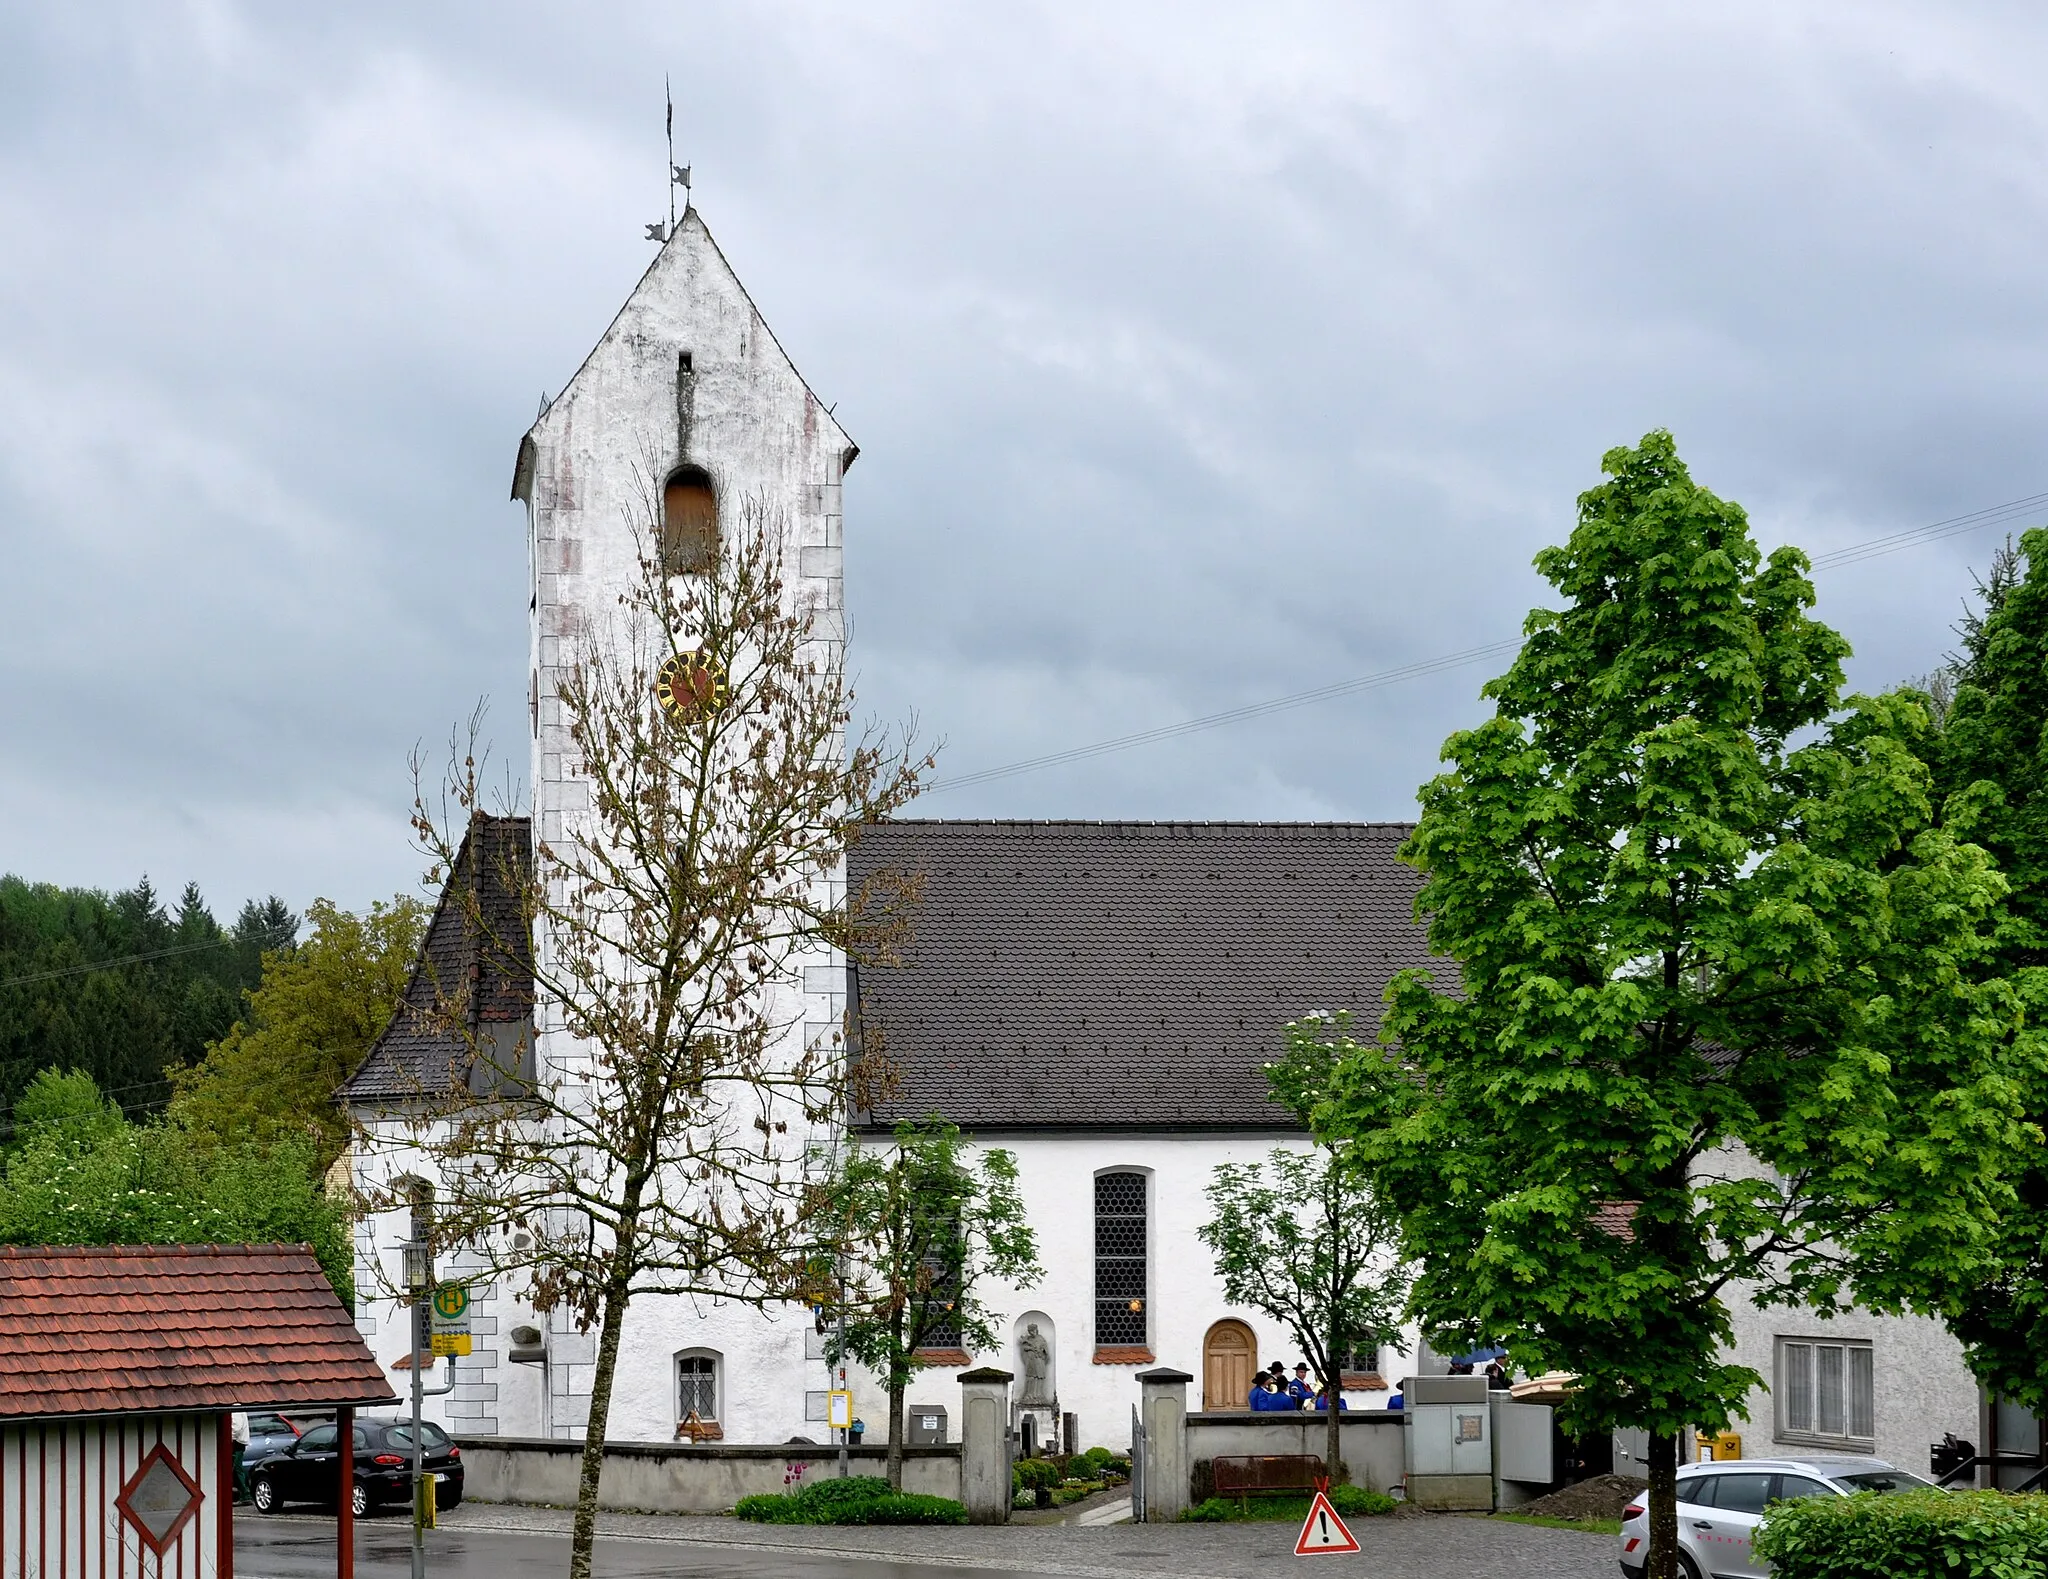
1121	1318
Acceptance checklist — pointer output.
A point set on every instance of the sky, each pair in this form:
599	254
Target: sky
1197	355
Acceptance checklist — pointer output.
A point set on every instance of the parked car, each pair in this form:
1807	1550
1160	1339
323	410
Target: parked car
308	1469
268	1433
1720	1505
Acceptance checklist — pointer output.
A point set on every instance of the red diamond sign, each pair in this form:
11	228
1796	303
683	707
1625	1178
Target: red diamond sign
160	1499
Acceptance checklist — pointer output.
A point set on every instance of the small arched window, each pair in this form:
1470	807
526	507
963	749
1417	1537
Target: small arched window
697	1382
689	524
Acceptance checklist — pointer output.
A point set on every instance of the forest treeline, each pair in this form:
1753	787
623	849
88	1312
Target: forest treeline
122	986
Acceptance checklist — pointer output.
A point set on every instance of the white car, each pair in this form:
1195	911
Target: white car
1721	1504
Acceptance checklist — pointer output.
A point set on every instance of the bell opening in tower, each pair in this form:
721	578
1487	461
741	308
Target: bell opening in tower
689	523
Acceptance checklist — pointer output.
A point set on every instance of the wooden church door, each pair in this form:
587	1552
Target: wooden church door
1227	1358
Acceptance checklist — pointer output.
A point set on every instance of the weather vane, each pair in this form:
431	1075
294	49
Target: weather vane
678	174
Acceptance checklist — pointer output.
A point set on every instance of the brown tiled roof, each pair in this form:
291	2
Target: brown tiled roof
1617	1219
1127	975
156	1327
489	975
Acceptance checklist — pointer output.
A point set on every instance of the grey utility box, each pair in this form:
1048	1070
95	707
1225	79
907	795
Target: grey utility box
927	1424
1450	1443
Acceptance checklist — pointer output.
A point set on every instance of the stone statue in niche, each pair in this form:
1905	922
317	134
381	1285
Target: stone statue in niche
1036	1354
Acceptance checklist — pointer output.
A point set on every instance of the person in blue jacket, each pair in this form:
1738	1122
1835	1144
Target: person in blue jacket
1267	1397
1301	1389
1323	1401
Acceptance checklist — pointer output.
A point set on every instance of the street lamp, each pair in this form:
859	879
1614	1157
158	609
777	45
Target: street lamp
419	1268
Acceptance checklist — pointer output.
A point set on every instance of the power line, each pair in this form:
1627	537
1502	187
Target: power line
226	941
1364	682
1877	547
1855	553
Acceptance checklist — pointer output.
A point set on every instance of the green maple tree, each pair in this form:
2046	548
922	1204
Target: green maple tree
1718	1024
927	1226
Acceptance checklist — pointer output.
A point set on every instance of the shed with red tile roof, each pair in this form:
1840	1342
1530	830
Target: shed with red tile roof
119	1368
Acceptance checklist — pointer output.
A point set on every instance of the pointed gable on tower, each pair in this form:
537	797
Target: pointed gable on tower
685	412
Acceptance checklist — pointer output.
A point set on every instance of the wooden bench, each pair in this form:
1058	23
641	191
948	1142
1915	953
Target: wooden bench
1243	1475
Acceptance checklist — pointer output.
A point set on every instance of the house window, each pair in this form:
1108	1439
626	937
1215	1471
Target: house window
697	1384
1121	1319
1825	1392
689	524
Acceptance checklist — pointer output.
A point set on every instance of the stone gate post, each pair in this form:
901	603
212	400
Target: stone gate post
985	1445
1163	1406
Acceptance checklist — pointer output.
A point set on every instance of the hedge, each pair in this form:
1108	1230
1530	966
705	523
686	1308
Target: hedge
859	1499
1911	1535
1351	1502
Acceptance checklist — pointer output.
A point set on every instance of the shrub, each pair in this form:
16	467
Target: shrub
859	1499
854	1488
1914	1535
1349	1501
901	1507
1033	1474
1360	1502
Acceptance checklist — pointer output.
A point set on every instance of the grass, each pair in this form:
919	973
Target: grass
1584	1526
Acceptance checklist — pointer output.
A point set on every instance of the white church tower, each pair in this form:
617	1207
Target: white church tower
689	410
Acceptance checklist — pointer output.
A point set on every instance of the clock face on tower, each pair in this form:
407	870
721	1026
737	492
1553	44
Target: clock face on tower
691	685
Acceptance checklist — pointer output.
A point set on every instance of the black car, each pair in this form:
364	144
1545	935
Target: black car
308	1469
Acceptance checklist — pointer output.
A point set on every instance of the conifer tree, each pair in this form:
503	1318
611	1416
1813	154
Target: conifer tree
1991	776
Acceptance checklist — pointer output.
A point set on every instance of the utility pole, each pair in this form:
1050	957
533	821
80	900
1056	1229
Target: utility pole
839	1372
419	1281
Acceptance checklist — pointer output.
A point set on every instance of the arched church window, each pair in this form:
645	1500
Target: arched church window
697	1384
1121	1315
940	1280
689	524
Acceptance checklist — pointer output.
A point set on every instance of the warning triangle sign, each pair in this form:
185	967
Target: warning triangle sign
1324	1531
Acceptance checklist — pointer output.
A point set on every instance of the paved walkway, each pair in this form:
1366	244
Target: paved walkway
1411	1546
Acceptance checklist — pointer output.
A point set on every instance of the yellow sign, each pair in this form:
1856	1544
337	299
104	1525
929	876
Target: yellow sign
451	1343
839	1409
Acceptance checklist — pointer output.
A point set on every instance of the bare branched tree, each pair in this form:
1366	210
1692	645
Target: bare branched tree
666	1141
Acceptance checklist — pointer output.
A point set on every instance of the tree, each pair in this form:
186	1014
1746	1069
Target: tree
1717	1029
1990	765
82	1174
1303	1238
667	1147
320	1006
924	1231
111	984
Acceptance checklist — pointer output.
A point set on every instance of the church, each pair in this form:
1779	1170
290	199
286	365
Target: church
1098	998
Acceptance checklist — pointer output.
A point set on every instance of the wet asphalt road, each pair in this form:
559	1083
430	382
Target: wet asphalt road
302	1547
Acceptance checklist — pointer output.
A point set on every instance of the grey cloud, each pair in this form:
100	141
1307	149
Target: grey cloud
1197	355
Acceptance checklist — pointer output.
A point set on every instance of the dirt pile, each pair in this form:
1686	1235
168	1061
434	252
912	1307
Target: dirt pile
1602	1497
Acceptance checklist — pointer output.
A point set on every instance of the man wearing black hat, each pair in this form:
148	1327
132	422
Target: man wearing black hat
1301	1389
